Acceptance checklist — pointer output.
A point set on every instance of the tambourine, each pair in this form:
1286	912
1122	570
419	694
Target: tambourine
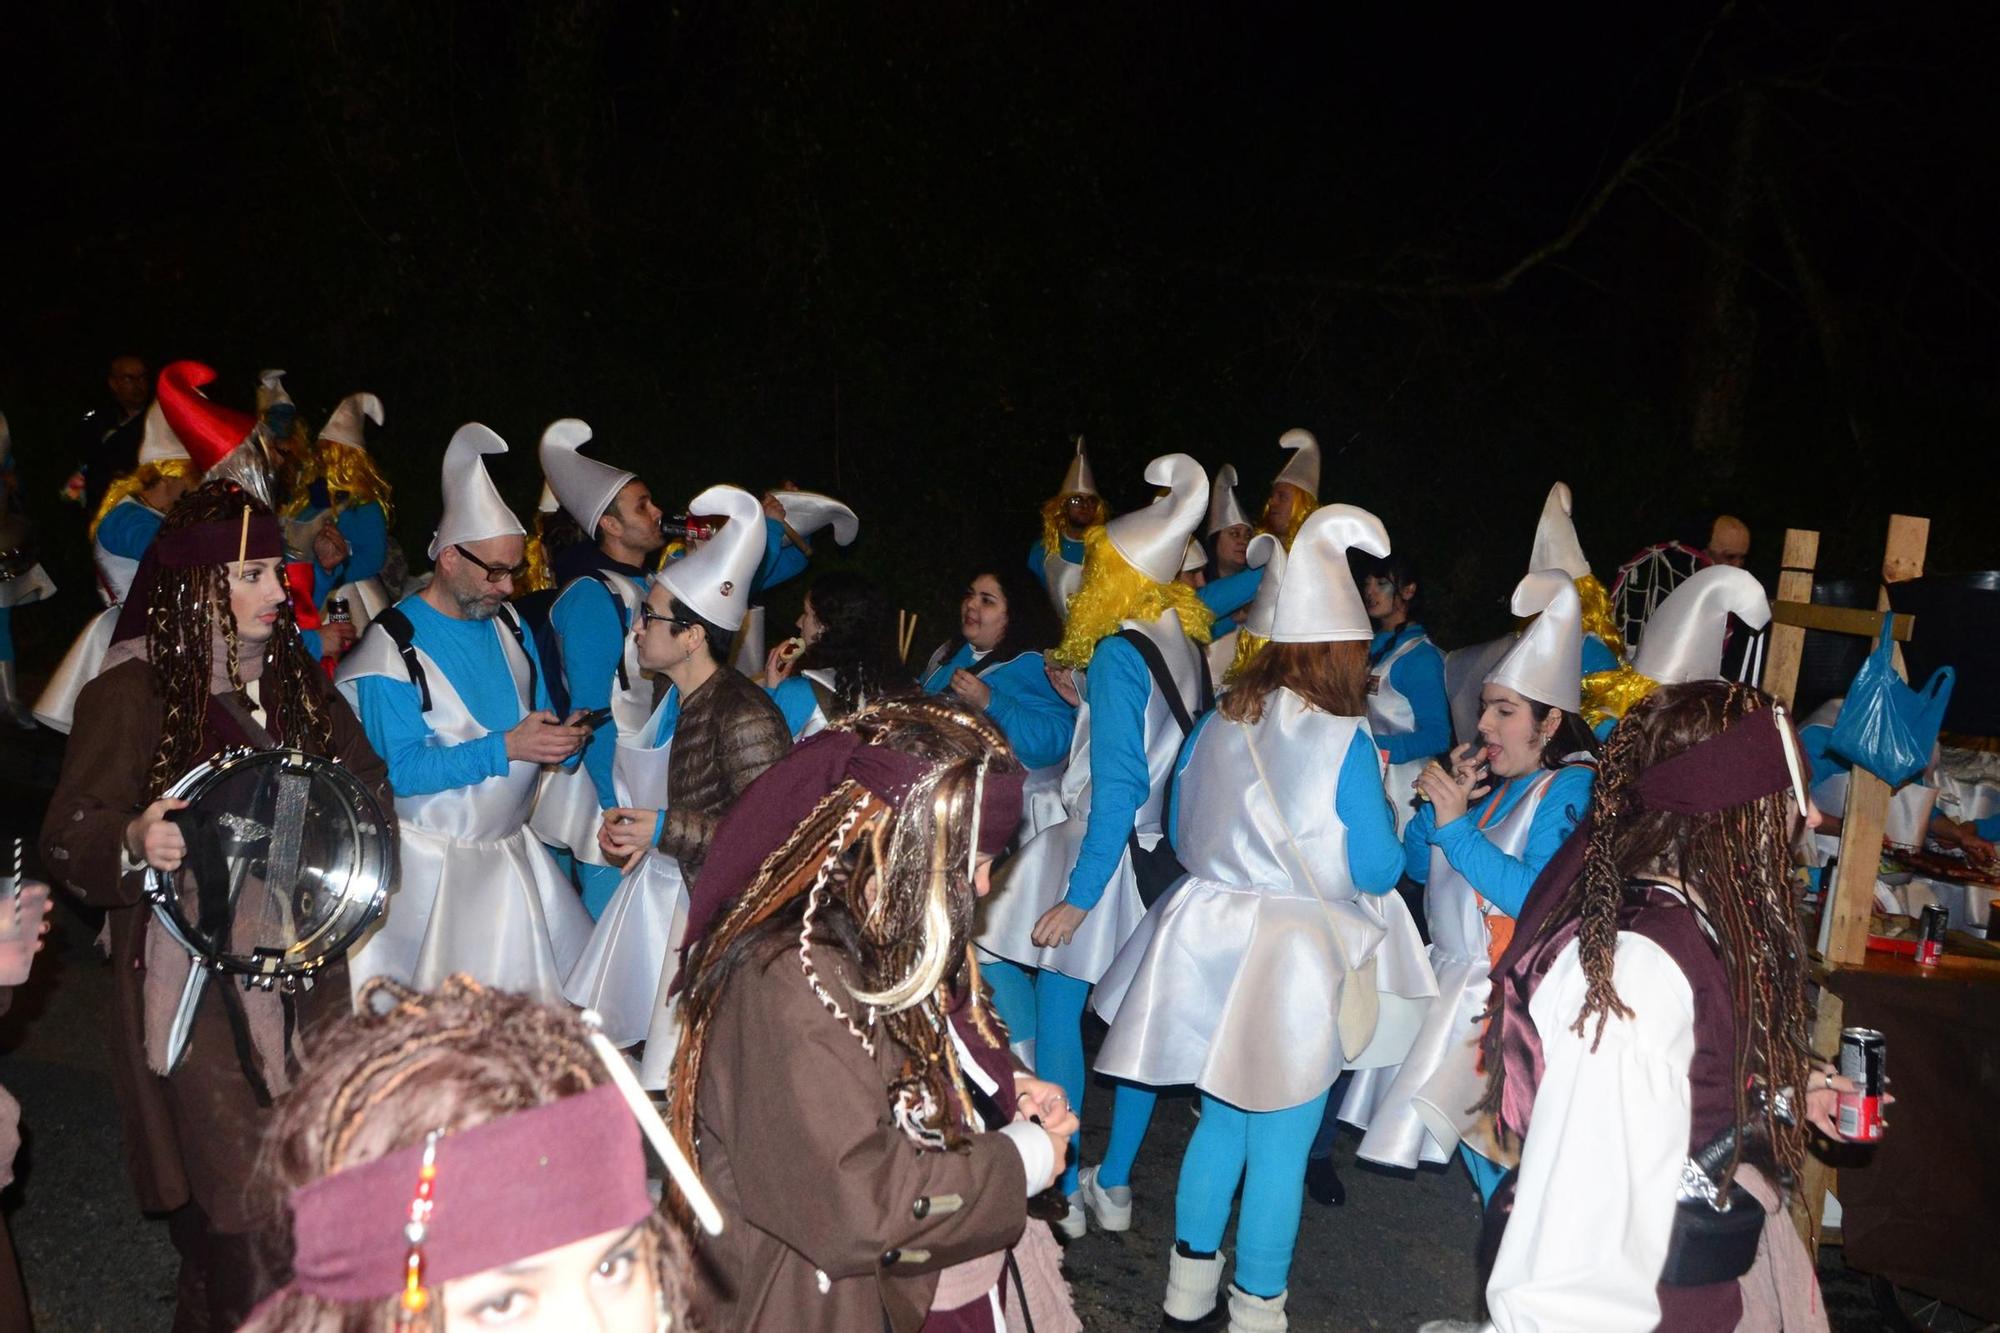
290	858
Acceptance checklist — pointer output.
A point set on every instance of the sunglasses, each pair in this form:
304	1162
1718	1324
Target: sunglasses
494	573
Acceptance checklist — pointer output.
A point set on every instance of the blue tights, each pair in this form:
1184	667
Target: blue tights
1131	1113
599	885
1013	996
1266	1151
1059	1002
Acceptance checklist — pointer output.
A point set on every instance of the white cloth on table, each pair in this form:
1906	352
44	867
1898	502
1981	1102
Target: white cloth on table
1600	1169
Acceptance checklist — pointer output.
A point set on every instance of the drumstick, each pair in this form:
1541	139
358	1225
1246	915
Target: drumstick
655	1128
243	542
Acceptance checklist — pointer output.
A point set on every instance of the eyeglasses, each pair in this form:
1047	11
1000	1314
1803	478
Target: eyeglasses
494	573
648	616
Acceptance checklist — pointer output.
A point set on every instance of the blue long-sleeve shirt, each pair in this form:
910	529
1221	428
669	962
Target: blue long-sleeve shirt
391	709
1597	655
129	529
1374	857
1231	593
590	624
782	560
1501	879
366	530
1118	686
1069	547
1038	722
796	699
1418	676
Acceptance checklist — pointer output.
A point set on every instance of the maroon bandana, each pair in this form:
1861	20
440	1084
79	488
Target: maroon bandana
202	544
508	1189
784	794
1732	768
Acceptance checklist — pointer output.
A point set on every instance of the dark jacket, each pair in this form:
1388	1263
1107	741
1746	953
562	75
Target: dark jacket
729	732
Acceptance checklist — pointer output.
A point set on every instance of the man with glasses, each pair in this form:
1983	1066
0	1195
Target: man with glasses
451	698
591	621
108	436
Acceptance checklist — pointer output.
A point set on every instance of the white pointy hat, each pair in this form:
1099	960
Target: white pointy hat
344	426
1318	602
548	504
1154	540
1556	546
1302	468
585	486
1546	662
473	509
271	389
159	442
713	581
1684	635
1268	554
1079	480
1196	557
1223	509
806	512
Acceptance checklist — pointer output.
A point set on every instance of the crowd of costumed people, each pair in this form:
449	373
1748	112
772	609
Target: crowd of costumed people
817	922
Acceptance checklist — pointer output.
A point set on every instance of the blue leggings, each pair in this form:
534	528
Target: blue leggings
1059	1002
1013	996
1266	1151
1131	1113
599	885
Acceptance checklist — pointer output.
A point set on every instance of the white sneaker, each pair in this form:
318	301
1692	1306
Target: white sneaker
1072	1224
1111	1205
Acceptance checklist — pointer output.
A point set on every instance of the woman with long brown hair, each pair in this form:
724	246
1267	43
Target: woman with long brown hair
840	1071
461	1158
1256	978
1651	1006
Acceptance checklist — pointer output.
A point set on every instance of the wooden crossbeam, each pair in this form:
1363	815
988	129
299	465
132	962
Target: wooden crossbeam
1788	642
1841	620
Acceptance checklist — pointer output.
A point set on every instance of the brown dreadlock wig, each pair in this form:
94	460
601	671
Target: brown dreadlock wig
1735	861
185	609
410	1063
877	902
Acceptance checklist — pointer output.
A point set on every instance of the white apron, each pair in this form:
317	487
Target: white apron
477	893
1064	579
366	599
1418	1111
32	584
1221	656
567	809
750	650
1391	714
56	706
1233	981
115	572
1035	878
633	953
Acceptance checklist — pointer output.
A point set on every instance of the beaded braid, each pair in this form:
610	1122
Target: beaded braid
1737	861
385	1078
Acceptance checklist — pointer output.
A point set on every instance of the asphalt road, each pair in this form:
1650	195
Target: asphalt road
1398	1253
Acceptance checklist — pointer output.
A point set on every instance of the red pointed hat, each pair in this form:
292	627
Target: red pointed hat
209	430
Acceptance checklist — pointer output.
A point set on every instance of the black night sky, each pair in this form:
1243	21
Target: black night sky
1680	255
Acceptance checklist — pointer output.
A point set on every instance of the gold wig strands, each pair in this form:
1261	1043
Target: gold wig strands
536	557
137	480
1597	617
1113	591
351	478
1052	519
1248	645
1611	694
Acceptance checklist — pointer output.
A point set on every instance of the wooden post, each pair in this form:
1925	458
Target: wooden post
1851	897
1788	642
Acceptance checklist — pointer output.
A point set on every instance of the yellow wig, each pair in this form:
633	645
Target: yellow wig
1301	508
1597	617
1611	694
351	478
137	480
1248	645
1052	518
1113	591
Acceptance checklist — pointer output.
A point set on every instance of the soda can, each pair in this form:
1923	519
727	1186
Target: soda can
1863	1056
1930	936
337	612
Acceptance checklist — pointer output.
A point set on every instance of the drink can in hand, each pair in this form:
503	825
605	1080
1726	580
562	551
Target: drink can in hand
1863	1056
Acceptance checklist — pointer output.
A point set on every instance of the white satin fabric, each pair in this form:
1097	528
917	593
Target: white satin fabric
1390	713
31	585
1233	980
477	893
633	953
115	572
1035	878
56	706
1418	1111
567	808
366	599
1064	579
1221	655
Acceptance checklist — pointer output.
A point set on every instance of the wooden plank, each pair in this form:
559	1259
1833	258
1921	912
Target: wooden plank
1902	560
1788	643
1841	620
1817	1180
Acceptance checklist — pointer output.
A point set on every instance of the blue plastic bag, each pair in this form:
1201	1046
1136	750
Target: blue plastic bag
1885	726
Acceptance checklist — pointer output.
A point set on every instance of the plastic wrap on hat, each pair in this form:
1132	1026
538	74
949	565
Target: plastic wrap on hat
1318	601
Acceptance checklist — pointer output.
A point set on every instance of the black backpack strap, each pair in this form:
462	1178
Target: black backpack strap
396	624
617	604
513	624
1157	665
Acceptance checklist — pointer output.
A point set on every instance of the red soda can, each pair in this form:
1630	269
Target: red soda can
1863	1056
1930	936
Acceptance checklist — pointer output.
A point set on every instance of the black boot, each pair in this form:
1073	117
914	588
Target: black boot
1323	1182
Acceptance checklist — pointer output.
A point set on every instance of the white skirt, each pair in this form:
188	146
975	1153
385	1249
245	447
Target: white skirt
633	954
1419	1110
56	708
1032	881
